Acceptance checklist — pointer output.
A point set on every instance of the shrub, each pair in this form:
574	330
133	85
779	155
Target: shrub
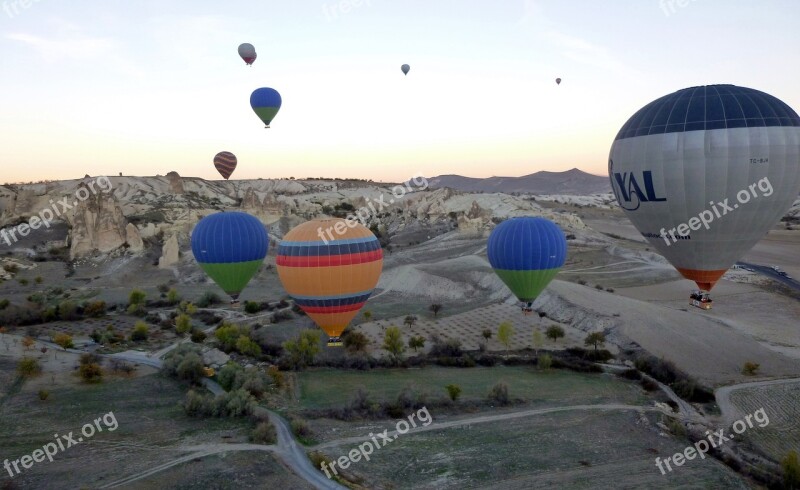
544	362
446	348
183	323
89	358
499	394
750	368
38	279
173	297
23	281
248	347
140	332
91	373
4	303
453	391
95	309
264	433
43	394
303	350
227	375
300	428
27	367
252	307
209	298
355	342
185	363
198	336
137	297
598	287
163	287
649	385
63	340
581	282
791	470
37	298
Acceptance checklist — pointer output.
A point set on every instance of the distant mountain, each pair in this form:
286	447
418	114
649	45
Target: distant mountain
572	182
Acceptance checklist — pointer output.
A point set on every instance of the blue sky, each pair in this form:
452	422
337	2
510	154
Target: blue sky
146	87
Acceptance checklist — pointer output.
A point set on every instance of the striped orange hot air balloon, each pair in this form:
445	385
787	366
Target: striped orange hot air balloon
330	269
225	162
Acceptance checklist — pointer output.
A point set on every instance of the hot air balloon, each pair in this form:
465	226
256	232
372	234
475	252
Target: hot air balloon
230	247
558	81
330	269
405	69
225	162
265	103
527	253
705	172
248	53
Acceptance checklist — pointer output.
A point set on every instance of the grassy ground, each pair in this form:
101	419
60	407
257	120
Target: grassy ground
150	426
781	404
560	450
321	388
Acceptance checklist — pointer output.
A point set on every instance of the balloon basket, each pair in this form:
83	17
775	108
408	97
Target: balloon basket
335	342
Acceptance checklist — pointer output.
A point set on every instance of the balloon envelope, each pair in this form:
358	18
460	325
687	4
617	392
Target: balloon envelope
558	81
329	279
225	162
527	253
248	53
230	247
705	172
405	69
265	103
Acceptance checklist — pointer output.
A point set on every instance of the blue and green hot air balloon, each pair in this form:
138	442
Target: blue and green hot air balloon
230	247
266	102
527	253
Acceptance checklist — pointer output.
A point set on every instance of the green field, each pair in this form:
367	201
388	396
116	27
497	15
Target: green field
151	425
324	388
575	449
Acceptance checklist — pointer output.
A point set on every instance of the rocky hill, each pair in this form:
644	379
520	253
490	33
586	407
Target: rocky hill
158	213
572	182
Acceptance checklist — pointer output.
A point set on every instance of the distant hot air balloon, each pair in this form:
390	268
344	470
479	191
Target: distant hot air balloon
230	247
527	253
330	269
558	81
248	53
405	69
265	103
225	162
705	172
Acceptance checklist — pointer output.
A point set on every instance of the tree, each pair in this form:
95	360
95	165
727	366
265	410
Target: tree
63	340
247	346
393	342
140	332
538	340
791	470
304	349
554	332
355	342
68	310
183	323
499	394
95	309
367	315
487	334
505	332
595	339
417	342
435	308
453	391
410	320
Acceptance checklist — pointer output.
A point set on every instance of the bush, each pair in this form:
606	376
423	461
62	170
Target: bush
544	362
252	307
38	279
598	287
173	297
355	342
12	268
28	367
4	304
791	470
43	394
91	373
137	297
185	363
95	309
453	391
632	374
89	358
198	336
750	368
499	394
64	341
140	332
183	323
649	385
264	433
446	348
300	428
209	298
37	298
248	347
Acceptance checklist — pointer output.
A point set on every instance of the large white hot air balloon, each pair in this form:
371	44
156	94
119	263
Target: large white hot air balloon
705	172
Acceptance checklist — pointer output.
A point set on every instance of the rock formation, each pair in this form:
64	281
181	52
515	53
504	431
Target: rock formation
170	253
